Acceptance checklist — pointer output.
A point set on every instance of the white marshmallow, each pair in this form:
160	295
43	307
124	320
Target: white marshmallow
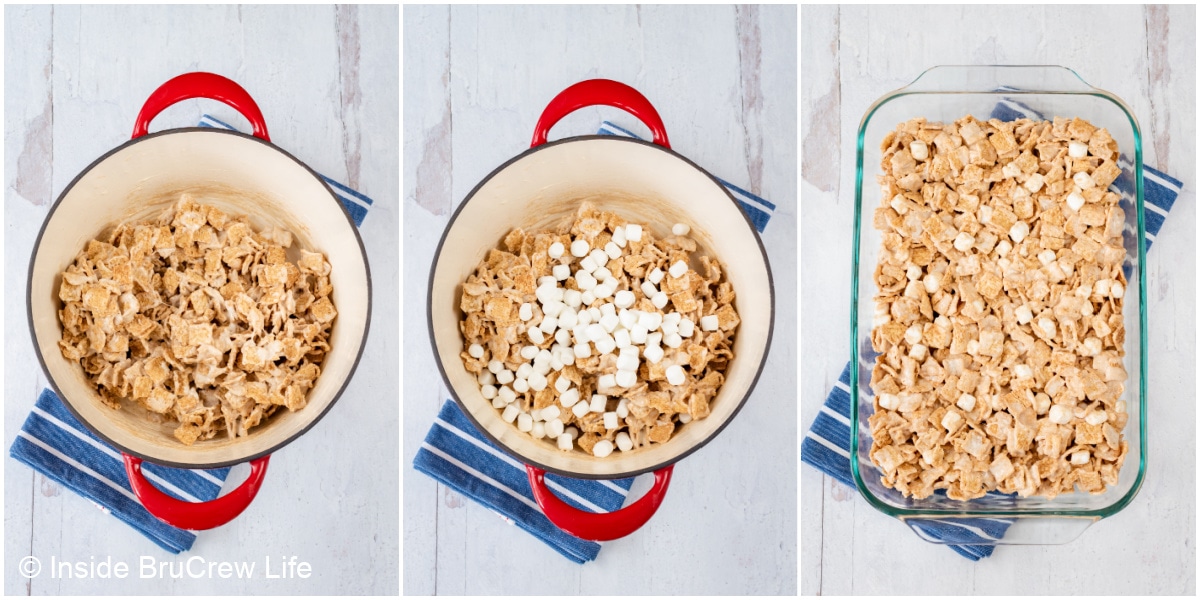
629	318
680	229
565	442
1083	180
687	328
554	427
475	350
654	339
659	300
628	362
966	402
547	280
623	408
525	422
618	236
710	323
553	308
599	401
505	377
526	311
1077	150
567	317
1060	414
1018	231
539	430
568	398
602	274
588	265
608	309
561	385
537	382
963	241
602	448
562	336
486	378
675	375
626	379
526	369
506	394
572	298
606	382
548	325
648	289
624	442
599	256
1080	457
612	250
489	392
587	297
580	409
606	344
669	327
623	299
510	413
556	250
678	269
655	276
586	283
633	232
561	272
608	323
672	340
650	320
579	248
551	413
918	149
610	420
1075	201
495	366
596	331
622	338
637	334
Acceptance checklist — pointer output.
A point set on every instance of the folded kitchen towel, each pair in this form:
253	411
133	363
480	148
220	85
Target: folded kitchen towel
56	445
457	455
826	446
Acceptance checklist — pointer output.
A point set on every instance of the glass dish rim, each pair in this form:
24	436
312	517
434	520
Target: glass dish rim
910	513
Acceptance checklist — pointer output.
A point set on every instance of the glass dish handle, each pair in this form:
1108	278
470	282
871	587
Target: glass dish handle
987	78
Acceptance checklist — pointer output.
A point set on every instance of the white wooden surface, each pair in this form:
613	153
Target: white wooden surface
851	56
326	80
476	80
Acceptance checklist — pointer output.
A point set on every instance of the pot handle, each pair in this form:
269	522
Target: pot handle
599	527
195	515
200	85
599	91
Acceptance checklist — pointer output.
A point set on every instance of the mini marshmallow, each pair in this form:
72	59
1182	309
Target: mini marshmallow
510	413
633	232
918	149
686	328
553	308
655	276
1117	290
672	317
606	382
498	403
537	382
602	448
506	394
526	369
588	265
1083	180
624	442
548	325
599	401
1077	150
565	442
561	385
672	340
602	291
568	398
602	274
1023	314
587	297
610	420
678	269
966	402
486	378
618	236
626	379
648	289
596	331
622	338
580	409
599	256
584	317
539	430
1046	256
585	281
650	320
612	250
567	317
675	375
608	309
623	299
654	339
554	427
579	248
566	357
659	300
525	422
525	312
629	318
637	334
963	241
606	344
475	350
543	356
628	361
556	250
572	298
562	336
561	272
669	327
608	323
1018	231
710	323
680	229
505	377
623	408
1075	201
547	280
551	413
488	391
1078	458
685	418
495	366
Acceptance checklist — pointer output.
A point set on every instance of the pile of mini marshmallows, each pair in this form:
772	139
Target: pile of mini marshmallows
596	318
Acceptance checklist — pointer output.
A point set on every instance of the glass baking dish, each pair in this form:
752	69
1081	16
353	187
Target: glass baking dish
946	94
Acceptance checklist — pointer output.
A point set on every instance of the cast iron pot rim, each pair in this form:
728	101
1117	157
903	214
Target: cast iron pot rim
38	350
573	474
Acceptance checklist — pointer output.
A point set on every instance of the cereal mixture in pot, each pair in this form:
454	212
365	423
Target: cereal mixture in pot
199	318
998	318
598	336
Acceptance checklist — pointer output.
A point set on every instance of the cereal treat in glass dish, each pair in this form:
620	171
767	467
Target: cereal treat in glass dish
998	317
598	336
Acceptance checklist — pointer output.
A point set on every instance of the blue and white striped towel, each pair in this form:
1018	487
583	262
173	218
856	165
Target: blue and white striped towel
826	446
457	455
56	445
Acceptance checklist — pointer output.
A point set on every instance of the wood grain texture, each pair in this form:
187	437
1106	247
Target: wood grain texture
854	55
476	80
325	79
